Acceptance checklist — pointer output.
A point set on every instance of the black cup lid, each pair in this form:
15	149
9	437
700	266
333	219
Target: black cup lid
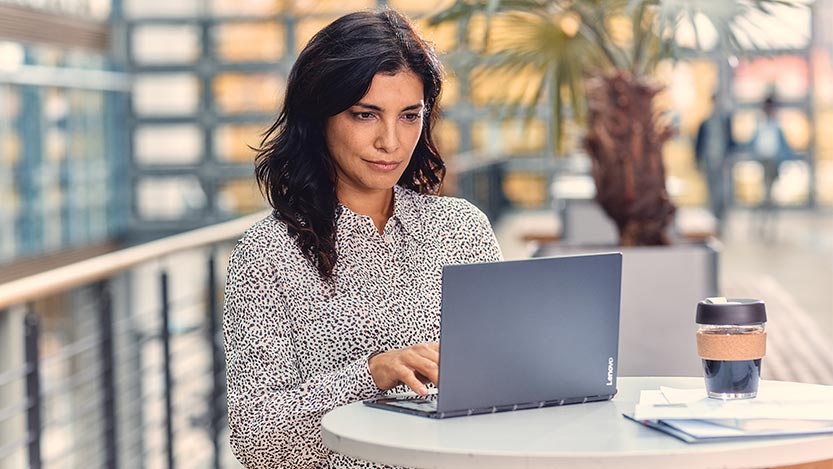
737	311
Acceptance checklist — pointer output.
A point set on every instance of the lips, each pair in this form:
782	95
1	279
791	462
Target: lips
383	165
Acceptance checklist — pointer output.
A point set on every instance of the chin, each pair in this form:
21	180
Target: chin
381	183
381	186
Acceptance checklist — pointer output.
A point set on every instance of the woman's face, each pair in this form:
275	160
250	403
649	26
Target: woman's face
371	143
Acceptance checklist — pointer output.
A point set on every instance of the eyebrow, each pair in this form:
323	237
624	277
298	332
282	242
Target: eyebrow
373	107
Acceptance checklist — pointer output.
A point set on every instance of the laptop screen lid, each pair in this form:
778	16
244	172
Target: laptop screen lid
529	331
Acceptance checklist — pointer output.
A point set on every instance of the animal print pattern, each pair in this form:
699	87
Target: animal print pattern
297	347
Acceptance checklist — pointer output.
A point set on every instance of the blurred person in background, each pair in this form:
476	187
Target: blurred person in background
769	147
335	297
712	148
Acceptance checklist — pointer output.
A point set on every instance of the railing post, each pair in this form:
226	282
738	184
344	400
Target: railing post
218	381
33	411
166	346
498	198
108	382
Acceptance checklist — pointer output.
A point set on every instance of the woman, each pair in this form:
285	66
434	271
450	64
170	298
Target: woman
336	296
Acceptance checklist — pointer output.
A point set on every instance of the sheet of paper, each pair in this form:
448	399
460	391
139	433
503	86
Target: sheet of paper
703	428
773	402
682	396
726	429
715	409
650	397
766	392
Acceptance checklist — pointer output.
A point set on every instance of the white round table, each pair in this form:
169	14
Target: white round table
575	436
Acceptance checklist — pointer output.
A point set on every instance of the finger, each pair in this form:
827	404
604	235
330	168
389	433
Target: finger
422	379
409	379
434	356
427	368
430	351
434	346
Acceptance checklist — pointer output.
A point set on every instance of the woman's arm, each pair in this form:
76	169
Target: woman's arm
479	242
275	414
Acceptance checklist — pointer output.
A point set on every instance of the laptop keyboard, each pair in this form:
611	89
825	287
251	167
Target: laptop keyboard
425	404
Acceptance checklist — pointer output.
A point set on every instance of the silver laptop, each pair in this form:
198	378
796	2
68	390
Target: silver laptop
524	334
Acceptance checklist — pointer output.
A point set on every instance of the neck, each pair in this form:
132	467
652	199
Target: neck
377	205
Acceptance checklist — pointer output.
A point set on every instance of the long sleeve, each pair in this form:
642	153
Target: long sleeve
274	413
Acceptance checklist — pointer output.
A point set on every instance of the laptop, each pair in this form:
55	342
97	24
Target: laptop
523	334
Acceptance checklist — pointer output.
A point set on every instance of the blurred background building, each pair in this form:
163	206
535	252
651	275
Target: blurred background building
125	121
133	119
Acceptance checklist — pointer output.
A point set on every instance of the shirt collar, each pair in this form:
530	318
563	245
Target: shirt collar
406	212
406	209
350	221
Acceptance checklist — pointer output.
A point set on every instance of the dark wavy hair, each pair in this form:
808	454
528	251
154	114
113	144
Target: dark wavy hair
293	167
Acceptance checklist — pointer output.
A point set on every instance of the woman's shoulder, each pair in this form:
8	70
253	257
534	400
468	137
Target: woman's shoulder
452	210
268	234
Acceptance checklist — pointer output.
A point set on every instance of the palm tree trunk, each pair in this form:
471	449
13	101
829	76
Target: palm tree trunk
624	140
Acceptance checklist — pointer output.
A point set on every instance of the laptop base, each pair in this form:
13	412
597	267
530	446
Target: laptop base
427	406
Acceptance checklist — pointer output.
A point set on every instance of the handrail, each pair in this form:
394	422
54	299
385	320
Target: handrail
62	77
473	160
82	273
54	281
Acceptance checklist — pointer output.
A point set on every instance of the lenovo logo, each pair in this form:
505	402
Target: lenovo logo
609	371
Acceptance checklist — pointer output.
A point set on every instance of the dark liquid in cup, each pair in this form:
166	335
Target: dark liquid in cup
732	377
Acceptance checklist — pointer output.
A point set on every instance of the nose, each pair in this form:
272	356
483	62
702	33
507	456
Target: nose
387	140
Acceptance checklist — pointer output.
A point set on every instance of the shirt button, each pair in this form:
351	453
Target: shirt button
388	239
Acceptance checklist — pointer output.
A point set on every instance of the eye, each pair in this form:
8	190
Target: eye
412	116
365	116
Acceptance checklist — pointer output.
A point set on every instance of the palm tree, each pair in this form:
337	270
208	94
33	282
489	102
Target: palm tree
594	58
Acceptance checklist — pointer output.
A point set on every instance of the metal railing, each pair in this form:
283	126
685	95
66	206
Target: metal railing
479	180
117	361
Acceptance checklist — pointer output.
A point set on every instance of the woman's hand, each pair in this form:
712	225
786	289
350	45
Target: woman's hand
411	366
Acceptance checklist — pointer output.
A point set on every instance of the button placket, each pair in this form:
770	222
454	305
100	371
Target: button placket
387	233
389	265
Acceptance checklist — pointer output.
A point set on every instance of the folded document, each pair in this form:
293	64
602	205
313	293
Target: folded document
701	431
813	403
688	414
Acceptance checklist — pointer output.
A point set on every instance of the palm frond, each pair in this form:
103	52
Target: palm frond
593	27
464	9
527	39
636	9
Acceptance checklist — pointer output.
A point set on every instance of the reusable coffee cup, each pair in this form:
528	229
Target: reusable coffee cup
731	341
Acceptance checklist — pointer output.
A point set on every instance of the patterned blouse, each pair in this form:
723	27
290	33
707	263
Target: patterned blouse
297	347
